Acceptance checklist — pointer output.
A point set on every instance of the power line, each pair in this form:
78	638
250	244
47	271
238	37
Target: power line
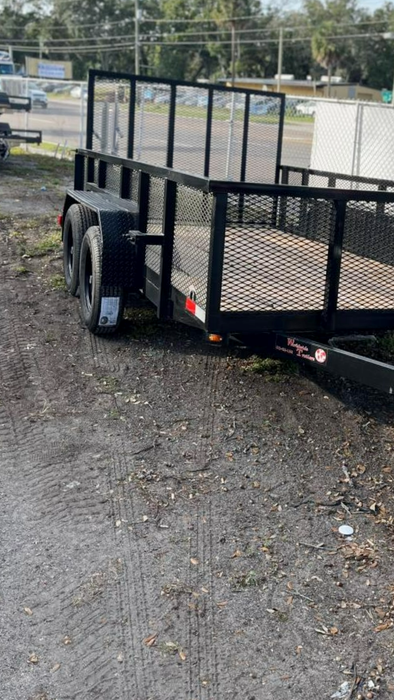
176	44
106	25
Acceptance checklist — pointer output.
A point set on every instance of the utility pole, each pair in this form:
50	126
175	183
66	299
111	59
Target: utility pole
232	53
280	60
137	38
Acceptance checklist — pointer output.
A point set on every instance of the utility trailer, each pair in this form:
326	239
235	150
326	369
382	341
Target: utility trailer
203	226
9	135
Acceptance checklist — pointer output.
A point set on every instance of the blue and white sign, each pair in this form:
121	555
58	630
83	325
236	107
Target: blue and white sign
51	70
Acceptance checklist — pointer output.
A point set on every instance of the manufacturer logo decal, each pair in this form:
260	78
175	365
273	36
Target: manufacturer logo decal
321	356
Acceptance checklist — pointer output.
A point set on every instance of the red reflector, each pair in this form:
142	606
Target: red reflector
190	305
60	219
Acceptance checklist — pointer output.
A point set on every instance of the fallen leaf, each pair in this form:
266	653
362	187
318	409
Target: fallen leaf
383	626
204	590
237	553
55	668
150	641
222	604
333	630
28	611
182	655
194	561
33	659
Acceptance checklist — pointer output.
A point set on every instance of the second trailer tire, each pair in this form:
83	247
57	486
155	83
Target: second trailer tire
101	307
78	219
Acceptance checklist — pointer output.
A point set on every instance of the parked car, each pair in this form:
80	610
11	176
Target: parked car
38	98
307	108
78	91
265	106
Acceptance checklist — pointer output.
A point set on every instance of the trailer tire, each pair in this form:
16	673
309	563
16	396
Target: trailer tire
101	306
77	221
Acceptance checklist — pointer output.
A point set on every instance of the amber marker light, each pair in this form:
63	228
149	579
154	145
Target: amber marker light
214	338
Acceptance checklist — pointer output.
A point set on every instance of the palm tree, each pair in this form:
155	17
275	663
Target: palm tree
324	50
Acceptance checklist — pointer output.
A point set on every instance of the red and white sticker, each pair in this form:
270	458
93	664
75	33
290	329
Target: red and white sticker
321	356
194	309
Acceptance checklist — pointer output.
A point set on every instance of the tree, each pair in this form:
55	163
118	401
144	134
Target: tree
324	50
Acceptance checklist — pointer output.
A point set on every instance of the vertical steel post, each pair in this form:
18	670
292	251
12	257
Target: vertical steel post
171	128
216	259
131	118
170	192
208	133
90	111
333	270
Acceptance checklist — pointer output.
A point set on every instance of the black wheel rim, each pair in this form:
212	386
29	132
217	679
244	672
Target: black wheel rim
88	280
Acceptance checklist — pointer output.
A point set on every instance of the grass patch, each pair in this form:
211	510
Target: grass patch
22	162
21	270
250	579
274	370
57	282
140	322
50	244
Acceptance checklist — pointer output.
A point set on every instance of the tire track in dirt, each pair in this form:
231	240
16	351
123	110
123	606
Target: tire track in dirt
37	448
203	675
132	597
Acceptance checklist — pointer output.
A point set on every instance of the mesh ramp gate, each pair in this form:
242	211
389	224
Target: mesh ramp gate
206	130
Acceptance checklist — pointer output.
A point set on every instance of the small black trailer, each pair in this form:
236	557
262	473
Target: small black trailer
8	135
180	195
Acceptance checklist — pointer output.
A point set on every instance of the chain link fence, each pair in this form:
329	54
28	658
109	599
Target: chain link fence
351	140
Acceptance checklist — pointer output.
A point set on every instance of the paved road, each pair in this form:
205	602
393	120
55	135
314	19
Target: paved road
61	123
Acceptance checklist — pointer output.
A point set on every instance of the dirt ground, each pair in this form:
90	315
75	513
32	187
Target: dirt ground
169	515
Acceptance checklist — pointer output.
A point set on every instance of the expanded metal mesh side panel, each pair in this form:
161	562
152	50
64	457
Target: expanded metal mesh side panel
367	268
155	221
151	122
191	243
135	186
112	180
270	262
96	171
190	129
111	115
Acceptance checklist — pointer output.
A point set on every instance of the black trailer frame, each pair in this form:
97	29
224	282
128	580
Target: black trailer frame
245	259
